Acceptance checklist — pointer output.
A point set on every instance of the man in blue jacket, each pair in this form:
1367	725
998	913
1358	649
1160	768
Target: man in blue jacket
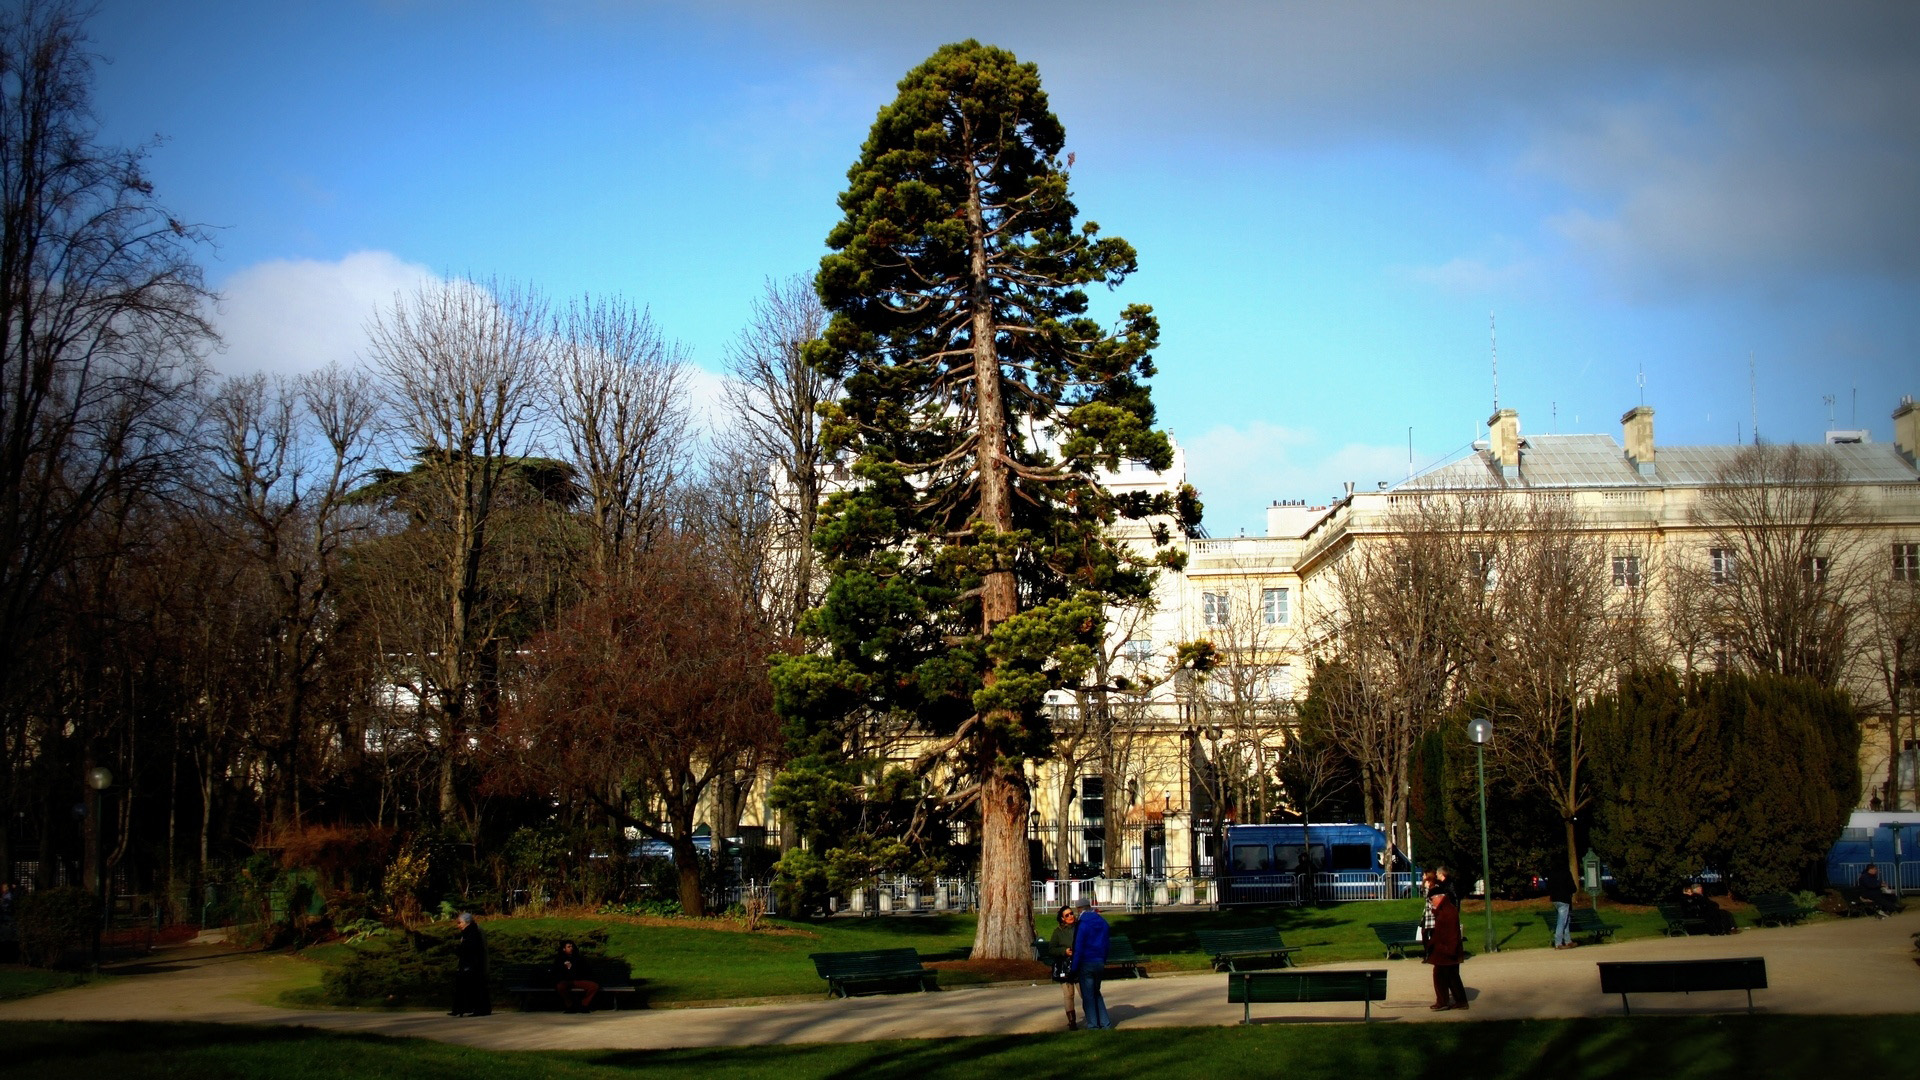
1090	963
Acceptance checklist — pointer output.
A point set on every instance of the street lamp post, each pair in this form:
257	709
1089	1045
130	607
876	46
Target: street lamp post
99	779
1480	733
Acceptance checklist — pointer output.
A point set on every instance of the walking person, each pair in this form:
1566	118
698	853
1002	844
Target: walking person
569	975
1090	936
471	996
1444	952
1060	944
1560	891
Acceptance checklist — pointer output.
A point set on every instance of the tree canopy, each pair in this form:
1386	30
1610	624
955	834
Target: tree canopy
971	560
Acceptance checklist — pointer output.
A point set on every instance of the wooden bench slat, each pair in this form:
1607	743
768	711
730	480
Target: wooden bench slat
1226	946
1747	973
1583	923
878	967
1296	987
1397	937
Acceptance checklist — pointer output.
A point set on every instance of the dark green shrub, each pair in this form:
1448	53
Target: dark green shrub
55	922
1660	769
417	968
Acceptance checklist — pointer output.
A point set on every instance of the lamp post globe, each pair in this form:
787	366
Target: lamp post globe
100	778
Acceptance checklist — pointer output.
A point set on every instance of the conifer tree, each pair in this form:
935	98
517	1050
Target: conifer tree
970	563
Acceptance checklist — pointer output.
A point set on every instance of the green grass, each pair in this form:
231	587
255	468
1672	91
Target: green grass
1667	1048
687	964
19	982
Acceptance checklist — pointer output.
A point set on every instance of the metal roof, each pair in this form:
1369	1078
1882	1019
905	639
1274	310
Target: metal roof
1596	461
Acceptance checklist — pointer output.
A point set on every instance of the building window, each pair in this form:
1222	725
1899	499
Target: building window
1274	609
1214	608
1282	683
1626	571
1137	650
1722	565
1484	570
1906	562
1093	798
1814	569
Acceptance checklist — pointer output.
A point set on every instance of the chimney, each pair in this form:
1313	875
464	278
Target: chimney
1637	432
1906	429
1503	439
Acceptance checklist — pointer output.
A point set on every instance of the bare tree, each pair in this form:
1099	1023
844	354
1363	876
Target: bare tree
643	693
460	365
286	458
100	321
1562	626
1782	576
1396	636
1888	655
620	395
774	396
1241	708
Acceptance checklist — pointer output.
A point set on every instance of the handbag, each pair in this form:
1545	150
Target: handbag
1062	969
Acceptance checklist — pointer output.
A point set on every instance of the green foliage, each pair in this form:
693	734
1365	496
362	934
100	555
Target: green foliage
54	922
1524	836
957	282
1753	775
1660	769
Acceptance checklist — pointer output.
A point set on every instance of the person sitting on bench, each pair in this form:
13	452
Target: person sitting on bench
1874	890
569	975
1714	918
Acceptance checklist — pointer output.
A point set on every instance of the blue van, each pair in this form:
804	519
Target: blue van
1264	863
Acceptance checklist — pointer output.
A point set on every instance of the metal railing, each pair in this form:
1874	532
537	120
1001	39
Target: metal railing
1848	874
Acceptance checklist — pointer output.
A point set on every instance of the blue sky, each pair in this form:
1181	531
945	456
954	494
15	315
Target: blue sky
1328	199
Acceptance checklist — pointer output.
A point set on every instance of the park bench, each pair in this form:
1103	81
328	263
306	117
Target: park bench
1585	923
1121	959
1679	923
529	983
1291	987
872	972
1227	947
1778	909
1398	937
1683	977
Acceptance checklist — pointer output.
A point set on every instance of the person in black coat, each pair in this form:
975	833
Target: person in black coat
570	975
471	996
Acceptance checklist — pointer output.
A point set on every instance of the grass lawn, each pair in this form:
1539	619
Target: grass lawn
687	963
1738	1047
17	981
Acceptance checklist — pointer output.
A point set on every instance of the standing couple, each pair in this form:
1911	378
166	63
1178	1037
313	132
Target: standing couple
1440	933
1082	938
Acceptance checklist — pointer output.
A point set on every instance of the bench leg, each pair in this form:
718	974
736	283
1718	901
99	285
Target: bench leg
1624	1007
1246	1001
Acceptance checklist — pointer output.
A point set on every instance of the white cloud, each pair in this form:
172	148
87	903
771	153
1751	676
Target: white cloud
289	316
1240	470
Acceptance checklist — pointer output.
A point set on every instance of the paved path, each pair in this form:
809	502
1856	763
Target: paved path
1855	966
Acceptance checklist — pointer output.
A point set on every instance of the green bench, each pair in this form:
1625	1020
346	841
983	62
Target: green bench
1227	947
1245	988
1398	937
1121	959
1585	923
874	971
1679	923
1777	909
529	983
1683	977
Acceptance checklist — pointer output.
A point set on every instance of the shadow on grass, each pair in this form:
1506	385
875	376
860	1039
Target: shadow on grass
1676	1048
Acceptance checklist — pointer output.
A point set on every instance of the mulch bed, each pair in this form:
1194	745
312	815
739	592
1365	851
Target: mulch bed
996	970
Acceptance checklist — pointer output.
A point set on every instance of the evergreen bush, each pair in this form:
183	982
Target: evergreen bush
55	922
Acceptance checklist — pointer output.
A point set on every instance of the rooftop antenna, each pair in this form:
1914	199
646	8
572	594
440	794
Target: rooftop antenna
1493	341
1828	398
1642	379
1753	399
1556	418
1409	451
1853	419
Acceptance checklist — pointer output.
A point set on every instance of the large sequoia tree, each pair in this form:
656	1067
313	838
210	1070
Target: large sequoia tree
970	564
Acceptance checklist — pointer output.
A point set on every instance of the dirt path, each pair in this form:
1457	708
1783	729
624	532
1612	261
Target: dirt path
1850	967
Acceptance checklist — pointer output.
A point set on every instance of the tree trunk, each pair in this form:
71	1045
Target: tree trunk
1005	930
686	859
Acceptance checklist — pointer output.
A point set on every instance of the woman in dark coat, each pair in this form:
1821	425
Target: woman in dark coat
470	994
1443	952
569	975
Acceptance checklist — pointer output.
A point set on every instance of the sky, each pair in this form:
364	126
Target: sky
1711	207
